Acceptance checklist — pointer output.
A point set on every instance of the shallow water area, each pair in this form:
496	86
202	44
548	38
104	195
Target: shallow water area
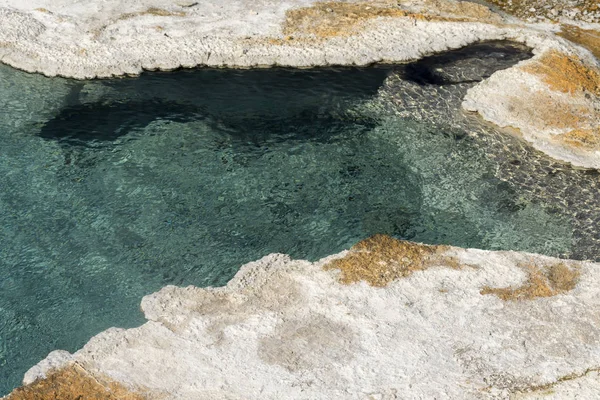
112	189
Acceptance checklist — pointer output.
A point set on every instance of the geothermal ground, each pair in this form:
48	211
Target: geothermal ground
388	318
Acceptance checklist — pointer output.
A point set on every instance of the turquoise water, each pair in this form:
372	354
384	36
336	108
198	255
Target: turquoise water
110	190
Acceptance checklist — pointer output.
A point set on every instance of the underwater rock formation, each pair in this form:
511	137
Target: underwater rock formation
386	318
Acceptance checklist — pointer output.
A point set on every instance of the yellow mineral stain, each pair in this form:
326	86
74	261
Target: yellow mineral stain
586	139
549	388
328	19
565	73
157	12
578	119
73	383
382	259
561	113
542	281
587	38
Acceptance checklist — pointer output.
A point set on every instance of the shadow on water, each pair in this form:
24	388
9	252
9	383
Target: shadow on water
467	65
181	177
83	124
253	103
258	103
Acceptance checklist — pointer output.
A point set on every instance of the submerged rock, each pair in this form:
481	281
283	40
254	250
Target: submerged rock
386	319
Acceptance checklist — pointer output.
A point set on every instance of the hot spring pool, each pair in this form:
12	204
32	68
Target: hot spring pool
111	189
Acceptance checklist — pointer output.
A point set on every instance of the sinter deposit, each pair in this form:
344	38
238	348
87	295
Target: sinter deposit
386	319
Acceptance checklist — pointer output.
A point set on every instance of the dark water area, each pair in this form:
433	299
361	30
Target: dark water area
111	189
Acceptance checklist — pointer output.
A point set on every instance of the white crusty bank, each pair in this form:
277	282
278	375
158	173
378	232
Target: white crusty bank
386	320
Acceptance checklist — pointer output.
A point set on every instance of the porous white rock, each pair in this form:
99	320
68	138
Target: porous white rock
110	37
518	98
284	329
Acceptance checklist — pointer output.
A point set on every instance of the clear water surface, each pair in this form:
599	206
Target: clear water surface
110	190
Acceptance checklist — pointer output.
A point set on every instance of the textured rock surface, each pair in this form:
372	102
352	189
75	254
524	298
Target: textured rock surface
105	38
292	329
566	127
553	10
553	100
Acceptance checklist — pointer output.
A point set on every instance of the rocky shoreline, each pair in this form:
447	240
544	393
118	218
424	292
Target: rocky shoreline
387	319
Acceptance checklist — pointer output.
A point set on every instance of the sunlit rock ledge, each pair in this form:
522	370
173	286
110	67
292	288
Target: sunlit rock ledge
386	319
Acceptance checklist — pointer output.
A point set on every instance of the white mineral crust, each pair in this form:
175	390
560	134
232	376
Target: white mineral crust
285	329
